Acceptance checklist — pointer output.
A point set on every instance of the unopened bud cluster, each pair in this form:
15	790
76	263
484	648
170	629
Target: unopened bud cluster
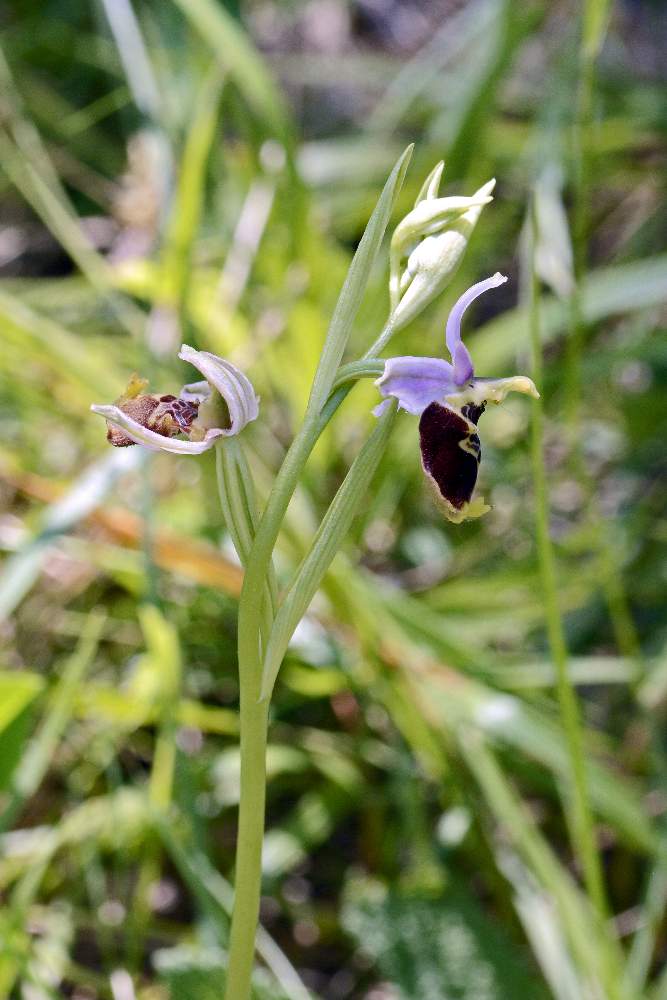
428	244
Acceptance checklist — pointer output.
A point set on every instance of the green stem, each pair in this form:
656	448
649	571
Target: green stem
355	370
250	835
378	345
283	489
239	509
253	715
592	31
582	821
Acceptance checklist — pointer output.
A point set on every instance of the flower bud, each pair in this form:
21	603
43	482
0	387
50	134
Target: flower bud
433	236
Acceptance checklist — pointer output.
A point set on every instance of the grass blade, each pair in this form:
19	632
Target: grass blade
189	199
237	54
36	761
595	950
216	898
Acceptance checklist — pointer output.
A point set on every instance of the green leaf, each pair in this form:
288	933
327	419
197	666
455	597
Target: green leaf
119	821
192	973
333	529
353	289
157	675
509	721
17	691
36	335
50	203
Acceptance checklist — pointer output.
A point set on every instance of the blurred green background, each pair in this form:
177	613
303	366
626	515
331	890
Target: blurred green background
201	171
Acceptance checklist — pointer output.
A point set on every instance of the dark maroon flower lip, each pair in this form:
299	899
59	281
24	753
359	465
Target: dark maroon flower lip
451	453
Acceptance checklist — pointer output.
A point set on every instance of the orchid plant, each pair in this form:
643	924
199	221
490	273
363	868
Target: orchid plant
426	249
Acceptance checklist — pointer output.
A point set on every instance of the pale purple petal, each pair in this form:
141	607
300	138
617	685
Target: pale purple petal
416	382
234	387
150	439
463	366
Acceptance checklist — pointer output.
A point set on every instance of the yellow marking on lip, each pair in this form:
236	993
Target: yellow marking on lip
471	449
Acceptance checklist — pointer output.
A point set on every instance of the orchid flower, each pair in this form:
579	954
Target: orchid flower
449	401
220	406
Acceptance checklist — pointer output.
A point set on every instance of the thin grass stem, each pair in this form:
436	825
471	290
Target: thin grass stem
583	832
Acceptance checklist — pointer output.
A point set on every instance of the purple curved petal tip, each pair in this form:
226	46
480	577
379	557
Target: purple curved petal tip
463	366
